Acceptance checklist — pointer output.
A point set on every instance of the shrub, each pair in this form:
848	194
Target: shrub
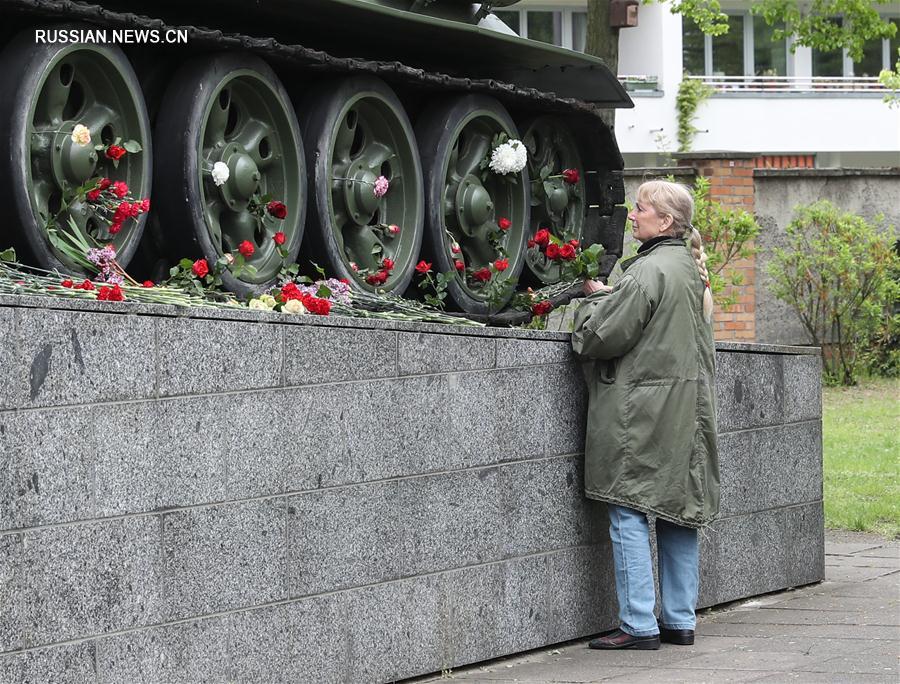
838	274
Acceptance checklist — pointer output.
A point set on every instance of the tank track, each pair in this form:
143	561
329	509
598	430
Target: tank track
602	223
300	56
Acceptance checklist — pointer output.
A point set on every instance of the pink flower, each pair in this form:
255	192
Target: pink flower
394	229
381	186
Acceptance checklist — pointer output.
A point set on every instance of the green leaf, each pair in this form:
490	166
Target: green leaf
8	255
132	146
546	169
174	271
186	264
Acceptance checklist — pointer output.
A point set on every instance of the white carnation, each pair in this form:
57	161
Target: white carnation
293	306
220	173
81	135
510	157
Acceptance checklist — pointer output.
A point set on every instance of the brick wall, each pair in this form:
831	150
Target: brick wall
731	185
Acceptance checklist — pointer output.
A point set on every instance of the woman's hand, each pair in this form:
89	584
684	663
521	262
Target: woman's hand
591	286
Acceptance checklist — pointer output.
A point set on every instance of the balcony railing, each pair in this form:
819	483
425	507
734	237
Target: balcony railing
793	84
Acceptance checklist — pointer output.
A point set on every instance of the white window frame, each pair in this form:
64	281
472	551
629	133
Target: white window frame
749	58
566	23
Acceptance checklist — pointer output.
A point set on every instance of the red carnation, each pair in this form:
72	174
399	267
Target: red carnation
552	251
93	195
104	184
290	291
319	306
501	264
379	278
145	205
542	237
111	294
387	264
246	249
279	238
567	252
423	267
200	268
531	243
574	243
483	275
459	265
115	227
149	283
115	152
277	209
84	285
570	176
504	223
67	283
542	308
120	189
134	210
344	280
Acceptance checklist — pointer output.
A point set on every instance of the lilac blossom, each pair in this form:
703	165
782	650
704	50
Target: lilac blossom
381	186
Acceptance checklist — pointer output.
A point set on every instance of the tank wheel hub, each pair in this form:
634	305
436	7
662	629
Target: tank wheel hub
359	193
473	204
243	175
72	163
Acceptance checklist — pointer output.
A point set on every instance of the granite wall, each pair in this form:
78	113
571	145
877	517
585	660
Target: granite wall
195	496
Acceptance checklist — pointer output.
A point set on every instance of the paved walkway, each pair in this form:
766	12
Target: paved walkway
846	629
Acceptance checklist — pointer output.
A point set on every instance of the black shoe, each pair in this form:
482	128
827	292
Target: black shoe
620	639
682	637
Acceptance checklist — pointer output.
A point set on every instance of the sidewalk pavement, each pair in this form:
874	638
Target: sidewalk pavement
846	629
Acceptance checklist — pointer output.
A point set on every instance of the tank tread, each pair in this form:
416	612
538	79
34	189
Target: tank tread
299	55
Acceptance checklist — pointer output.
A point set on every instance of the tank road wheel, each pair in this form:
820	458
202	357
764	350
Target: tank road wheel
556	203
465	203
230	109
45	91
357	132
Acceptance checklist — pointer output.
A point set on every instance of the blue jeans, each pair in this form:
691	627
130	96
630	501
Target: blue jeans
679	574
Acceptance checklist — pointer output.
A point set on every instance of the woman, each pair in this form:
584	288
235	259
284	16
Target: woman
651	432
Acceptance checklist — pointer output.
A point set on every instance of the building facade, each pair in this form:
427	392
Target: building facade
790	107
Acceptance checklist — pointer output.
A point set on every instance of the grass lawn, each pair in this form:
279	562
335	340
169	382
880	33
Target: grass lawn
862	457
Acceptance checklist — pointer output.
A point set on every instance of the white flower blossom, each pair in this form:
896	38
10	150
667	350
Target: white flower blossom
263	303
293	306
220	173
510	157
81	135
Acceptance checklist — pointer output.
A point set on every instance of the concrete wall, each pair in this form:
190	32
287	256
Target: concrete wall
867	193
242	496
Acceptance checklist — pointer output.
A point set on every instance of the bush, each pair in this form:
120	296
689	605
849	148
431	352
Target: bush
839	275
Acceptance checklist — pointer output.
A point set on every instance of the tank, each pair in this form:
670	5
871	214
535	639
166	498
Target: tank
362	136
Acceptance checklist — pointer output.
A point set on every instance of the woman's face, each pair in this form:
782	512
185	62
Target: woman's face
646	223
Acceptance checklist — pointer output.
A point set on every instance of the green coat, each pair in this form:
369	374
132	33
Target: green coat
651	427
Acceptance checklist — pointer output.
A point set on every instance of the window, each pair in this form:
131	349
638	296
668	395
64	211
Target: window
545	26
579	31
511	19
828	63
872	61
728	49
769	55
693	49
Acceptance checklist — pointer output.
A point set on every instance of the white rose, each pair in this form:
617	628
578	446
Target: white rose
293	306
268	300
220	173
258	305
81	135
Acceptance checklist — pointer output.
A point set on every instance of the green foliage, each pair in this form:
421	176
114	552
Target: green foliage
838	274
891	80
691	94
813	24
859	439
727	234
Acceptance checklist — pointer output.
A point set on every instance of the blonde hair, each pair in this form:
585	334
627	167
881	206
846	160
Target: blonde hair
674	199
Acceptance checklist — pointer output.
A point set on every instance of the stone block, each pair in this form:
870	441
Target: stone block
195	651
202	356
514	353
11	604
424	353
749	390
60	664
802	388
315	355
343	537
449	520
71	357
299	641
580	593
750	555
224	557
10	359
544	507
475	623
770	467
805	533
394	630
89	579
